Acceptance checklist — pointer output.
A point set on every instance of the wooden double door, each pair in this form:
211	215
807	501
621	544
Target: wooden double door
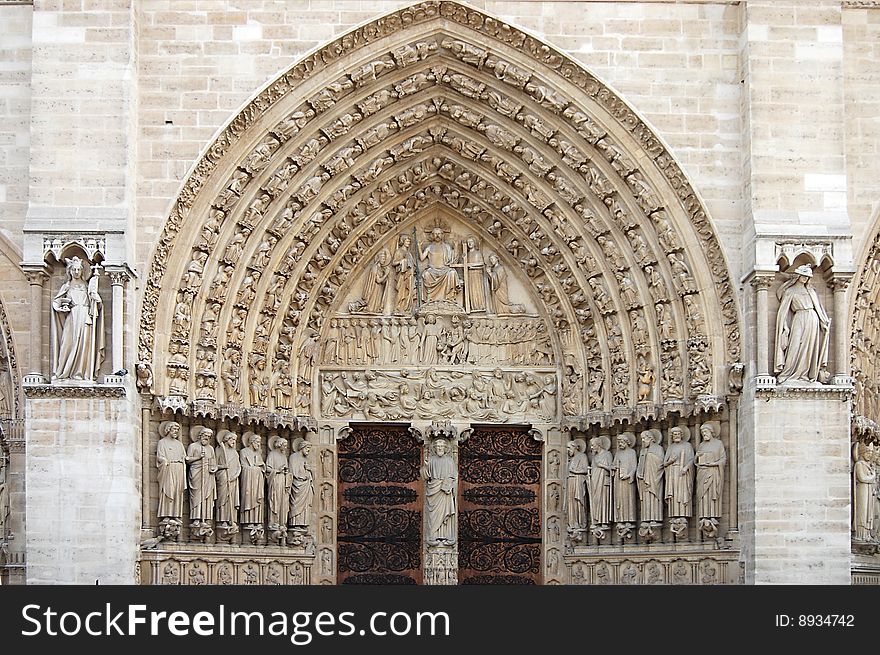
381	496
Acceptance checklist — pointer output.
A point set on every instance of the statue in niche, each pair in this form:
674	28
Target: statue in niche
404	281
201	480
253	481
864	484
279	478
576	488
624	469
802	328
171	462
78	324
710	460
441	482
599	485
497	274
649	479
679	472
373	301
439	280
228	480
476	275
302	486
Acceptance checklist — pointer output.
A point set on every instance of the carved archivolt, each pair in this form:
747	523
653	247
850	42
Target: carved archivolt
281	221
10	380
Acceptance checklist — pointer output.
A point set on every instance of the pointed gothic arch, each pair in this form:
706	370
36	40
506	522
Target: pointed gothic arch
288	200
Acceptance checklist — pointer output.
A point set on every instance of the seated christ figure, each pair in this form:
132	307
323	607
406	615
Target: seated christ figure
440	280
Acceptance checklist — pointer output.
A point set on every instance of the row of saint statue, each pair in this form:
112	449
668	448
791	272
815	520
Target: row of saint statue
233	487
628	487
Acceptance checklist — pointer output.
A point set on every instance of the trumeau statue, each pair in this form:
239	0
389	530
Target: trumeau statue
802	329
441	488
78	325
279	478
228	479
599	482
253	481
679	472
710	460
302	488
864	482
624	469
171	462
649	477
202	471
576	486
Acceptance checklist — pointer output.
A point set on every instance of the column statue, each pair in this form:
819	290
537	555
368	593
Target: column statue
253	485
599	485
710	460
302	488
624	468
202	482
228	481
279	478
649	479
864	480
171	462
78	325
679	472
576	488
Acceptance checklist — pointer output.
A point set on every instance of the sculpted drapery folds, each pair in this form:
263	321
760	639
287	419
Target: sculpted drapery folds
279	478
302	488
679	472
710	461
476	275
649	477
253	480
78	325
228	477
864	484
171	462
599	482
439	280
404	275
441	488
624	468
802	329
202	471
576	485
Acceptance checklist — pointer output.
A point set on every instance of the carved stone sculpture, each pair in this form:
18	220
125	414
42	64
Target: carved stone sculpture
279	479
404	271
679	472
649	477
228	482
375	286
475	275
599	485
439	280
201	480
171	462
302	487
253	484
710	460
864	482
4	497
441	488
802	329
576	488
78	325
624	468
499	288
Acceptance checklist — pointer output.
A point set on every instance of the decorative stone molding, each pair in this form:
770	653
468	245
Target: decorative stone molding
94	244
655	568
114	390
804	391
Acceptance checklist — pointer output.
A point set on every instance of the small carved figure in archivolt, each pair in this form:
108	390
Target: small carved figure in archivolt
77	324
441	485
710	460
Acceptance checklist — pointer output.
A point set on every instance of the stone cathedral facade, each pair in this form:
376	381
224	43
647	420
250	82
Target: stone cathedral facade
325	292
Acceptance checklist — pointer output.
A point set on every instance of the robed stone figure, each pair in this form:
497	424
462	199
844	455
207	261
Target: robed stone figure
278	475
710	460
649	477
864	480
679	471
77	325
253	481
624	467
439	280
441	481
171	462
228	477
302	487
599	483
802	328
576	485
202	470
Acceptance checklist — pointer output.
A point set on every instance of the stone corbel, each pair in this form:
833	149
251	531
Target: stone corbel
343	432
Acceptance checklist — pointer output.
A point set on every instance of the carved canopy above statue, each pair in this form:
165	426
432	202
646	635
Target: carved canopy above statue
439	112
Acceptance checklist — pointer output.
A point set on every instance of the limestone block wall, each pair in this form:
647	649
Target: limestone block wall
83	490
15	105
